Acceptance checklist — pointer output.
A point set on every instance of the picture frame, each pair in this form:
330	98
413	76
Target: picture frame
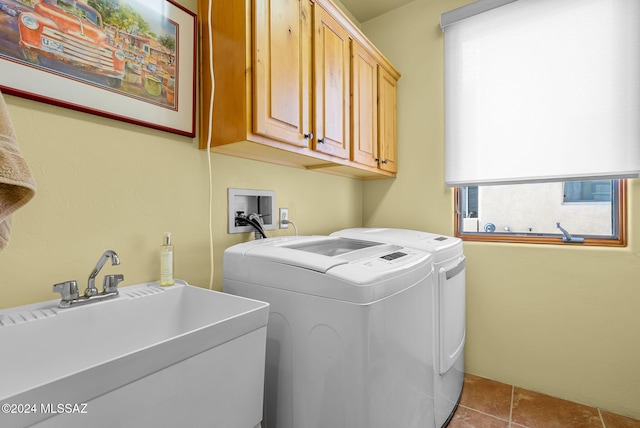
128	60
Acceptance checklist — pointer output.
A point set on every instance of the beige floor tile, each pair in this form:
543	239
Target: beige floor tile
487	396
469	418
489	404
616	421
536	410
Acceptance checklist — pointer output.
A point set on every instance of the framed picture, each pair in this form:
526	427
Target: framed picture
130	60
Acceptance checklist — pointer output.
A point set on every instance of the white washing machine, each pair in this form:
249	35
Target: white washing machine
449	307
348	340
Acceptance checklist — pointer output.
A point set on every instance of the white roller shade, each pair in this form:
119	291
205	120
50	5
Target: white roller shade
542	90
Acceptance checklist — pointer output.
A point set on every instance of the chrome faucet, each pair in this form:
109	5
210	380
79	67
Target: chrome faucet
91	288
69	289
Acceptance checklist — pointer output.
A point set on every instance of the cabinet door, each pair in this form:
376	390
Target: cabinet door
282	70
388	121
364	106
332	76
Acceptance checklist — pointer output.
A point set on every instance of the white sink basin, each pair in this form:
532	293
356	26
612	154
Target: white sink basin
151	346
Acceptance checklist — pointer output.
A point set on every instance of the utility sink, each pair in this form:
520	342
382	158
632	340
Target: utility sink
154	356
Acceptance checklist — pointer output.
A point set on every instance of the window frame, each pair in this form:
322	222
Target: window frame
620	241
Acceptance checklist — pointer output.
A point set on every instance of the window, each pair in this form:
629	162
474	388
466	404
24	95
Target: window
594	210
587	191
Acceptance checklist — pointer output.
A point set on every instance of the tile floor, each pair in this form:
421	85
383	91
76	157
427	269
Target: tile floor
489	404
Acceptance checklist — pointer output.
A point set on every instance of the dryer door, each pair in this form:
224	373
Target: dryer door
452	313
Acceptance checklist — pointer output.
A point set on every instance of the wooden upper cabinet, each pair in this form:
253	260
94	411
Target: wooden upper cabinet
282	70
374	111
365	106
289	88
388	121
332	85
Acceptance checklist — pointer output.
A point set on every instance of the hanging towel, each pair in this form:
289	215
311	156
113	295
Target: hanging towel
17	186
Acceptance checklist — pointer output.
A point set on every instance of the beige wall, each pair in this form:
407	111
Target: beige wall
560	320
105	184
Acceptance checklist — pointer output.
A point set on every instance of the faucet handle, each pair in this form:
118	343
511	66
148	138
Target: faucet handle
111	282
68	290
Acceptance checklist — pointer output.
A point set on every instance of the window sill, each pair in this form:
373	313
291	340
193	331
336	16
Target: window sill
550	240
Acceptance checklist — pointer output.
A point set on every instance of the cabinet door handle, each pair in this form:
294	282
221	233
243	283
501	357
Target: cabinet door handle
308	136
377	160
384	162
321	140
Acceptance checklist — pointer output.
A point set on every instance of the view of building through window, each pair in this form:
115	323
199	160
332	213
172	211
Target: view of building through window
585	208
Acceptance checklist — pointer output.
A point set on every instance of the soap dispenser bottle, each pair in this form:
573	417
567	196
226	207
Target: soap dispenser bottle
166	261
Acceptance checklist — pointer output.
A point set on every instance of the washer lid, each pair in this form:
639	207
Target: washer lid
319	254
349	270
333	247
442	247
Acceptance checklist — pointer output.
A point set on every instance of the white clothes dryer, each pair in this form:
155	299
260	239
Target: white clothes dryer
449	307
348	340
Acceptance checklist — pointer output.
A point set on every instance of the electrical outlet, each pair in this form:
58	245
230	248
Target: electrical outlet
284	218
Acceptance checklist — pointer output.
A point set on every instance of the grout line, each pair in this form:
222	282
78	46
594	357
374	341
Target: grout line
601	418
484	413
513	391
511	407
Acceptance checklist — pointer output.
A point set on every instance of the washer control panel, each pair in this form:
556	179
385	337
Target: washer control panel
392	259
394	256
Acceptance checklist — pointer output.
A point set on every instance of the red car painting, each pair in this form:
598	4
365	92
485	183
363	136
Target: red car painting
70	33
